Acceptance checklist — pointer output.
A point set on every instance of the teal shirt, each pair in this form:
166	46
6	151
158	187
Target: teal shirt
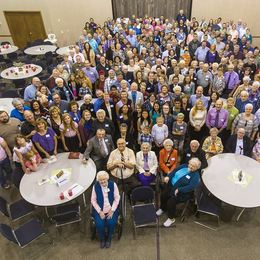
179	174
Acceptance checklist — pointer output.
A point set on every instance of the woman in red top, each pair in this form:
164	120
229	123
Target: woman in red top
168	158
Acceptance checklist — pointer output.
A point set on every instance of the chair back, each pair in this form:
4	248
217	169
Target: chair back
4	207
7	232
142	194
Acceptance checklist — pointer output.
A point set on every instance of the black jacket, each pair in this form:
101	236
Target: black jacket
232	143
200	154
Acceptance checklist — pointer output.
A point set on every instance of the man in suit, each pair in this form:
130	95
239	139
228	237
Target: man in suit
98	149
66	63
239	143
135	96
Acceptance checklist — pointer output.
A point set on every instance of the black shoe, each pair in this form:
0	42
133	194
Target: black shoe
102	244
108	243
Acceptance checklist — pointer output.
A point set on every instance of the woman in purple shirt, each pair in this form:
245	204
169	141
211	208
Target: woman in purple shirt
212	55
45	139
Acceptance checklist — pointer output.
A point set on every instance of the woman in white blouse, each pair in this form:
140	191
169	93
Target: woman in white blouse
197	128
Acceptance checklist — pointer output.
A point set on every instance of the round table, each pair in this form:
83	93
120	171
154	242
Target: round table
26	71
40	49
6	105
65	50
10	49
48	193
217	178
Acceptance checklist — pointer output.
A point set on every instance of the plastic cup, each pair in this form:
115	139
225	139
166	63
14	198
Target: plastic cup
70	193
62	196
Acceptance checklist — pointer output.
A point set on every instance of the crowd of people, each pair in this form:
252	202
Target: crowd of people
138	96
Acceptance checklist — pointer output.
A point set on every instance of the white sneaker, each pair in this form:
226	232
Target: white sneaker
169	222
159	212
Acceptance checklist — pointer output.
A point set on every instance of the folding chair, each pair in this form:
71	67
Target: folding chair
66	214
23	235
16	210
206	205
143	208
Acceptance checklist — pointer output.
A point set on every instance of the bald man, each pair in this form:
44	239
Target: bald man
30	91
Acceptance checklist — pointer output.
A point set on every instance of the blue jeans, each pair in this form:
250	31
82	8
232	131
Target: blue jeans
103	224
5	171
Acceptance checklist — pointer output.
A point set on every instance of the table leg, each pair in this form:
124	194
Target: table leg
240	214
47	213
84	199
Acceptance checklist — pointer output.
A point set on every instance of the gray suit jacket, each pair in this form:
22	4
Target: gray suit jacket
93	148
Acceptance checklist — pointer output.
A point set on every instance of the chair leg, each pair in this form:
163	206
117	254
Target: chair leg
240	214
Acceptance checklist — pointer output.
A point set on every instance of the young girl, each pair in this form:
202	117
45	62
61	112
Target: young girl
24	153
69	134
179	130
73	86
74	111
125	117
155	112
143	121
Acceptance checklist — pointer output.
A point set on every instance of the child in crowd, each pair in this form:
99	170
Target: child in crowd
84	89
32	161
179	130
145	136
159	133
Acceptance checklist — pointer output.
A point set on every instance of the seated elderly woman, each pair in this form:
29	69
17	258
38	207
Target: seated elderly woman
19	109
180	186
105	200
212	145
168	158
146	164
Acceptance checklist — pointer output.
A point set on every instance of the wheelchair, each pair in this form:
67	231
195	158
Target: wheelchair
120	220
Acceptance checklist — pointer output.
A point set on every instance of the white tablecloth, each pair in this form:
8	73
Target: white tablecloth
48	193
10	49
40	49
6	105
218	179
65	50
28	70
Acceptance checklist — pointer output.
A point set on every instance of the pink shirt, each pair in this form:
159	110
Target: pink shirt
2	150
107	207
70	132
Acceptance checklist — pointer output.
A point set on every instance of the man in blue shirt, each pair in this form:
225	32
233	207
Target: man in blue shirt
30	91
90	72
132	38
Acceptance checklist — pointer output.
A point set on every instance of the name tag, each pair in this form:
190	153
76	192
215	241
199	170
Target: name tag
121	117
106	125
188	177
111	105
91	109
188	109
126	143
173	159
107	68
106	140
222	120
188	154
74	118
181	127
47	135
148	88
91	73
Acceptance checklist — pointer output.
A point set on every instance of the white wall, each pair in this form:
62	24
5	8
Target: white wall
65	18
248	11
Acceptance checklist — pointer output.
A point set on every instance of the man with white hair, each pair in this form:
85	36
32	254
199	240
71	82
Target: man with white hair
132	38
242	101
195	151
111	80
30	91
135	96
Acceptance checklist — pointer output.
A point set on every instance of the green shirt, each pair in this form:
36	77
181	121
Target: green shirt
232	113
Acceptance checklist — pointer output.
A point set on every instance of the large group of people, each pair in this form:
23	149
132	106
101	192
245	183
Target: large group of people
141	96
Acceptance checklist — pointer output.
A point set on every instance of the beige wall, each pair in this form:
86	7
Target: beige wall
65	18
248	11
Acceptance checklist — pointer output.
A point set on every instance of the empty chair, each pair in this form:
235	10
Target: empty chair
23	235
12	56
207	204
16	210
67	214
143	207
11	93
